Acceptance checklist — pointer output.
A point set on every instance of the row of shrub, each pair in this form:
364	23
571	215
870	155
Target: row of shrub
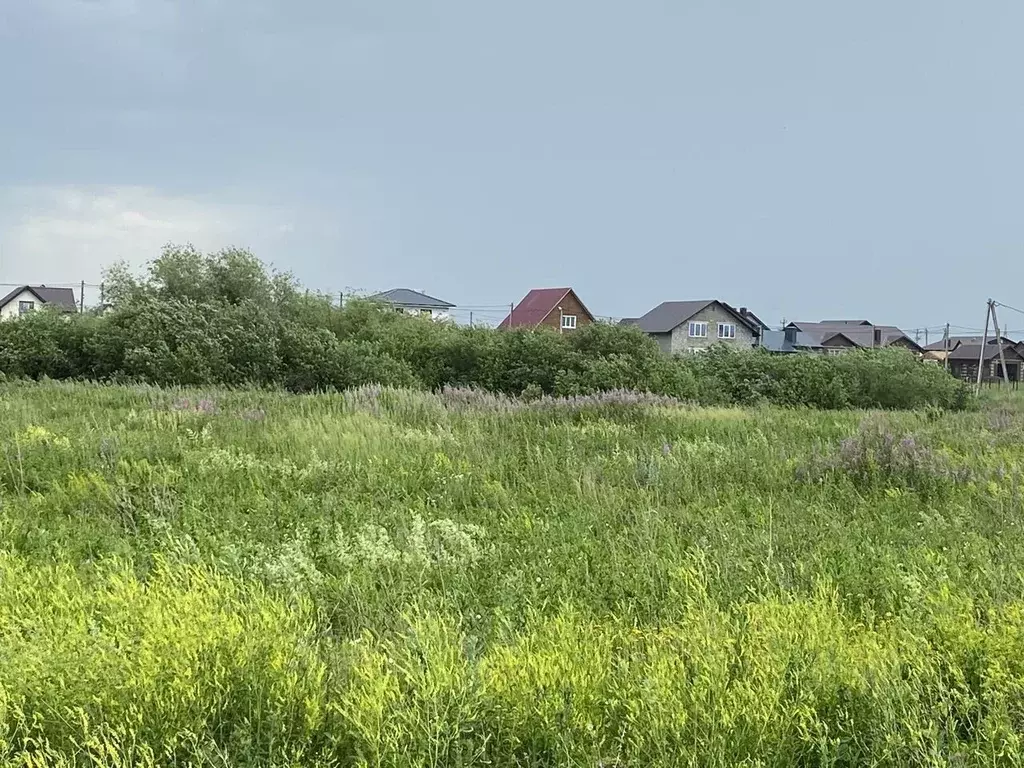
224	319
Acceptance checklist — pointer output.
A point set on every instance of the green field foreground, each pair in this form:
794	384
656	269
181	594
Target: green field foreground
406	579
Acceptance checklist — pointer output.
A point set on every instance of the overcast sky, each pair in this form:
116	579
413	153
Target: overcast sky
804	158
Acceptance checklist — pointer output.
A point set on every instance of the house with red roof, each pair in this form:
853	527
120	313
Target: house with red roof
557	308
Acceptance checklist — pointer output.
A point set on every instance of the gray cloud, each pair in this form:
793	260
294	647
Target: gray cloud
70	233
638	152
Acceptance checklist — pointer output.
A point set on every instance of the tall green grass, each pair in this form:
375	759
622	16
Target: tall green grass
393	578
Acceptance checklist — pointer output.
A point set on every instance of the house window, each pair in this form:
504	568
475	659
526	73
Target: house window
24	307
569	322
727	330
834	351
698	330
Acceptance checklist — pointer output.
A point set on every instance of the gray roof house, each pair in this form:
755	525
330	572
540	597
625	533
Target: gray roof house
413	302
789	341
26	298
837	335
963	361
693	326
955	341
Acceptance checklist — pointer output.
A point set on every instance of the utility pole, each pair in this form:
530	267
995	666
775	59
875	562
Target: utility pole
945	348
471	318
81	297
926	337
984	341
999	342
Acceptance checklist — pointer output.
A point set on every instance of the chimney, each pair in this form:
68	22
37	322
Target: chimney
743	311
790	335
878	337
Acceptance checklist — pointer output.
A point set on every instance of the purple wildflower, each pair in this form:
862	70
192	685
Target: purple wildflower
204	405
877	454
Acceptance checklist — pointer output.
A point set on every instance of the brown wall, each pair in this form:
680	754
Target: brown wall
570	306
968	369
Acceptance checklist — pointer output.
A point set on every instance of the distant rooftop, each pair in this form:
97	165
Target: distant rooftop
59	297
406	297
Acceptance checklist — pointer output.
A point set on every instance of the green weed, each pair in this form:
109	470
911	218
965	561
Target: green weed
380	579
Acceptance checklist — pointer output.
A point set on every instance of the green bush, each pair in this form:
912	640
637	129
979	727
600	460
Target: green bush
222	319
886	378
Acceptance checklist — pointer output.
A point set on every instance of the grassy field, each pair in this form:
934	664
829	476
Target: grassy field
397	578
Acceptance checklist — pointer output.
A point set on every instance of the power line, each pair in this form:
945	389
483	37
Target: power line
1007	306
76	284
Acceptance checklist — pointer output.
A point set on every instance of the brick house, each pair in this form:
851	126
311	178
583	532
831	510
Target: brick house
682	327
556	308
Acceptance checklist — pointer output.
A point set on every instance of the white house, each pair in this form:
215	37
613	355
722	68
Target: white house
28	298
414	303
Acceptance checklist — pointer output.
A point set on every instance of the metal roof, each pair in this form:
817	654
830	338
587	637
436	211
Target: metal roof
954	341
971	352
671	314
60	297
775	341
537	305
859	333
406	297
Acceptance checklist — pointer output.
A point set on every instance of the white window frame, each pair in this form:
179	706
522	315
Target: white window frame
569	322
727	330
696	326
24	307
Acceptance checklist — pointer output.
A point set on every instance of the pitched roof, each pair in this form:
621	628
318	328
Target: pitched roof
856	331
406	297
671	314
775	341
64	298
537	305
744	312
954	341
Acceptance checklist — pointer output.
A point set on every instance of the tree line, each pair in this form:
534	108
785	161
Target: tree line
226	319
